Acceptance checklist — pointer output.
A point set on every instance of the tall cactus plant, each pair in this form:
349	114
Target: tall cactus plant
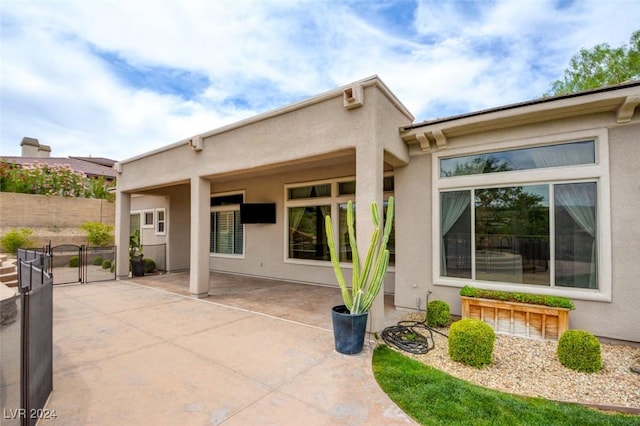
368	277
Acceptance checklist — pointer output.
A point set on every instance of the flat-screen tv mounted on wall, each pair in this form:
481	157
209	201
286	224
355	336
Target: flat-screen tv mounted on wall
257	213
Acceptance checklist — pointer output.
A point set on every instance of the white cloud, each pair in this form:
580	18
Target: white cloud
248	57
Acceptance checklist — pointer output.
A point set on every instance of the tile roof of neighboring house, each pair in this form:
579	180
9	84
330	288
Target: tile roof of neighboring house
107	162
90	168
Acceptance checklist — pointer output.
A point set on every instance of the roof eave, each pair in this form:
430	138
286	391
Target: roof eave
331	94
620	99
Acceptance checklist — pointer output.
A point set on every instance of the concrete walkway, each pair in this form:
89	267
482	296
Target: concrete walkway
130	354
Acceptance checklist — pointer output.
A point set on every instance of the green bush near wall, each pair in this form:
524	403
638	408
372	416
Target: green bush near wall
471	342
580	350
15	239
438	313
149	265
74	261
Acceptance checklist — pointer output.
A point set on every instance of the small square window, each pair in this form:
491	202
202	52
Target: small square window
147	219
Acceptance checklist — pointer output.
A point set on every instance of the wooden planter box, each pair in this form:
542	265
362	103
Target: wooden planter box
518	319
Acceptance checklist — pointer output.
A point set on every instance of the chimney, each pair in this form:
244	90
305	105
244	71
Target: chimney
30	147
44	151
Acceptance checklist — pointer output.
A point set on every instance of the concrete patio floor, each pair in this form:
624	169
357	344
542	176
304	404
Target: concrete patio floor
255	352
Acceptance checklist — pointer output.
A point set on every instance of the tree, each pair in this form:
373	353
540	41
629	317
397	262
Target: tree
600	66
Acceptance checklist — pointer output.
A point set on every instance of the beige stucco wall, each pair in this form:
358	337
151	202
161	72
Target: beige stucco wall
317	130
266	244
175	199
413	231
140	204
617	319
621	317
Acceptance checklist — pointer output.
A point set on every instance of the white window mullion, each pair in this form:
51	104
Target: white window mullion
472	205
552	236
214	232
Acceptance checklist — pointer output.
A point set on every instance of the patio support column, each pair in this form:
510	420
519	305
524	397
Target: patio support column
200	232
369	188
123	230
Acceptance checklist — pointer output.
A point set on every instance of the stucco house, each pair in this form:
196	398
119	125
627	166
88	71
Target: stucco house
541	196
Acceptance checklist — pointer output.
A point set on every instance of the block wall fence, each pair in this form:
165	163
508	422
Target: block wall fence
53	218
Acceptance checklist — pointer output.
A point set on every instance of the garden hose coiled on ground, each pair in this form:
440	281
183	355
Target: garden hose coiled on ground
415	337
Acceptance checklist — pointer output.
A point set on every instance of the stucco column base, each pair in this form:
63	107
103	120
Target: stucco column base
199	295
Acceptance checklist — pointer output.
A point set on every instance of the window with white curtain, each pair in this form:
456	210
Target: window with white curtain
526	216
227	231
307	206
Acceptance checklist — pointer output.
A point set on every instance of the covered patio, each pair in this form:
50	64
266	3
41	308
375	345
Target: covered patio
304	162
302	303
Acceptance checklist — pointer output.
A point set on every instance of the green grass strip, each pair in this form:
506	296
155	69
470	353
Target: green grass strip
432	397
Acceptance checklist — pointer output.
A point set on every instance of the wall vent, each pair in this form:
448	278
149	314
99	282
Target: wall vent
196	143
353	97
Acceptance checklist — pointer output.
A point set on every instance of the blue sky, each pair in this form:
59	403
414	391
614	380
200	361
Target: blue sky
119	78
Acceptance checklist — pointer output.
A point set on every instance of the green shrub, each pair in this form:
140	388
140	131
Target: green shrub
106	264
149	265
438	313
580	351
508	296
471	342
74	261
99	234
97	260
15	239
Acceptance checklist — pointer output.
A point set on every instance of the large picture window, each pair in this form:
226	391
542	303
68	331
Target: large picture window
537	228
227	232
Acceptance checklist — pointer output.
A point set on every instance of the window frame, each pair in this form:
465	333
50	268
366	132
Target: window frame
143	218
334	201
227	208
309	202
158	221
598	172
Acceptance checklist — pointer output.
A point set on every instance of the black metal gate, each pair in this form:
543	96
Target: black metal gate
99	264
36	372
83	264
66	263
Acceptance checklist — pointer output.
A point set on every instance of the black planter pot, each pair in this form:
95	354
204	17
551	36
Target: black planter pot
348	330
137	266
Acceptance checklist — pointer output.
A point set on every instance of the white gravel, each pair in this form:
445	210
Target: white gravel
531	368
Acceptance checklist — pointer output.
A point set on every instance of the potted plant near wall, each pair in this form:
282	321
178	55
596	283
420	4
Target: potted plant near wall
136	255
350	319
